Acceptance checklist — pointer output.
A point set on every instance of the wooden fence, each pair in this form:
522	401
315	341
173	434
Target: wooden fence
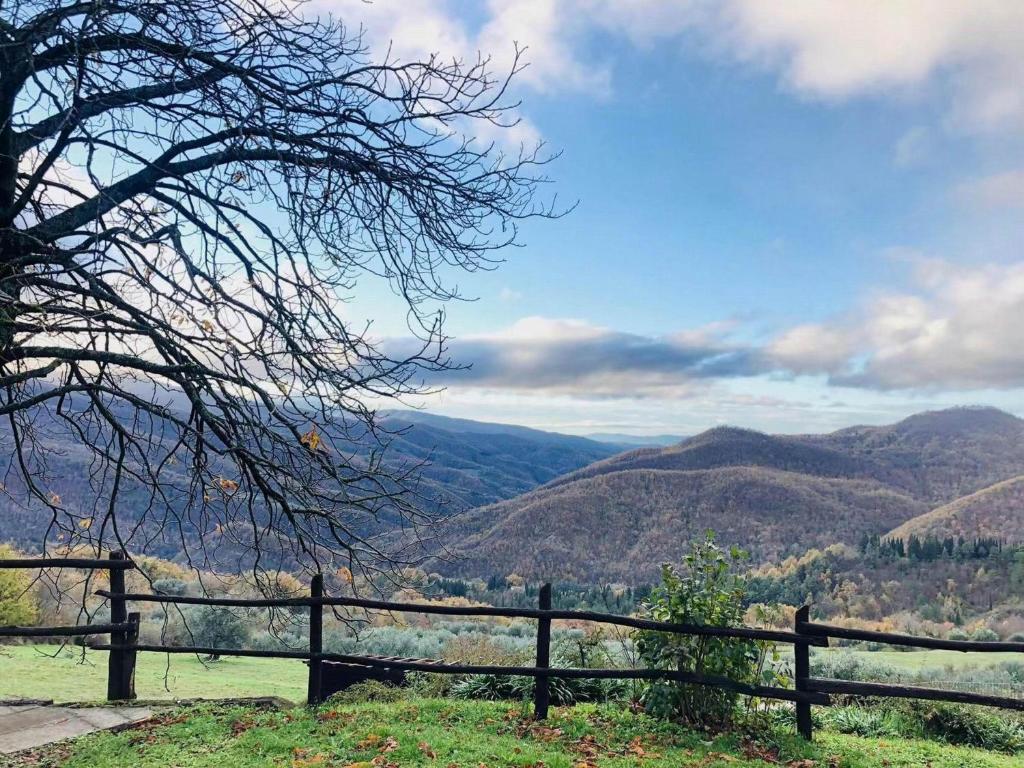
124	644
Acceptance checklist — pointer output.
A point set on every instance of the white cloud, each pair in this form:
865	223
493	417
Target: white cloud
960	329
572	357
833	49
1000	190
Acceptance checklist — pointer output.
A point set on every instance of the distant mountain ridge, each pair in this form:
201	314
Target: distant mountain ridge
775	495
462	464
473	462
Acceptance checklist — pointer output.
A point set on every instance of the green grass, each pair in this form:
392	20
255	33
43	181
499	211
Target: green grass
914	661
29	672
431	732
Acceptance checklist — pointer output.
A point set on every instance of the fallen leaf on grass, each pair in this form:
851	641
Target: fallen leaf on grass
304	760
636	748
426	750
371	740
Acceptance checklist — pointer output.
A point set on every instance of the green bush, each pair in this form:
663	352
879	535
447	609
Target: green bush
567	650
986	635
705	590
972	727
950	723
564	692
873	723
216	627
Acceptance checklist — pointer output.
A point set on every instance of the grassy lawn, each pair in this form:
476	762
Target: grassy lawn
430	732
28	672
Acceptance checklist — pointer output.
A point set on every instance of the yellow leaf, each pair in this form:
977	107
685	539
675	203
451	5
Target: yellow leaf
207	326
311	439
54	498
345	575
85	524
227	485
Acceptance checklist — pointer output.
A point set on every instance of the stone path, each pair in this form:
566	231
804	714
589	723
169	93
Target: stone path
25	726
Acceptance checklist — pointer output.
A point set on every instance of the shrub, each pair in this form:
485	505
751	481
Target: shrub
567	650
706	590
873	723
17	603
973	727
950	723
170	586
957	634
216	627
984	634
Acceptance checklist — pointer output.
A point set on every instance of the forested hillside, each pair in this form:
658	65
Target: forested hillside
460	464
993	512
776	496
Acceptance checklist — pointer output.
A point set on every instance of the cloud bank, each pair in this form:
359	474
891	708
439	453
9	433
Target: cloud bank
971	51
954	329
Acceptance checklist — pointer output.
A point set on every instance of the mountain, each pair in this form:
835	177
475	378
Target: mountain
775	495
995	512
460	462
619	526
635	441
474	462
938	456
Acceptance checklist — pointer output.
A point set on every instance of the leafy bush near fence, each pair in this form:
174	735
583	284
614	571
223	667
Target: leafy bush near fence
706	590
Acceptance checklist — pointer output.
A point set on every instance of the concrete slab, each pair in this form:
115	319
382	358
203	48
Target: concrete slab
29	726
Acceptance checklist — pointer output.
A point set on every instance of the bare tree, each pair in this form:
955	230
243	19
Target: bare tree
189	193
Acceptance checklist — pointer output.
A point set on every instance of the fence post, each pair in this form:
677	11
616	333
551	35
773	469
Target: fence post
128	668
802	653
118	675
314	692
541	688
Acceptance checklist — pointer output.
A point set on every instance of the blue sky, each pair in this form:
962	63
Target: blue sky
792	216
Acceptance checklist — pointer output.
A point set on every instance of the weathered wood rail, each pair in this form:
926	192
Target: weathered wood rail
124	644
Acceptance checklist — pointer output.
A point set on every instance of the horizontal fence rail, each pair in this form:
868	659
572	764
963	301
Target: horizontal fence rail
909	641
87	563
856	688
83	630
807	691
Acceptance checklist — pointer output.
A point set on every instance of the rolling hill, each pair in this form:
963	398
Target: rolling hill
619	526
620	517
995	512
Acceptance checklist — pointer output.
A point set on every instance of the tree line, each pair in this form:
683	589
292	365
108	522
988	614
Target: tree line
931	547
